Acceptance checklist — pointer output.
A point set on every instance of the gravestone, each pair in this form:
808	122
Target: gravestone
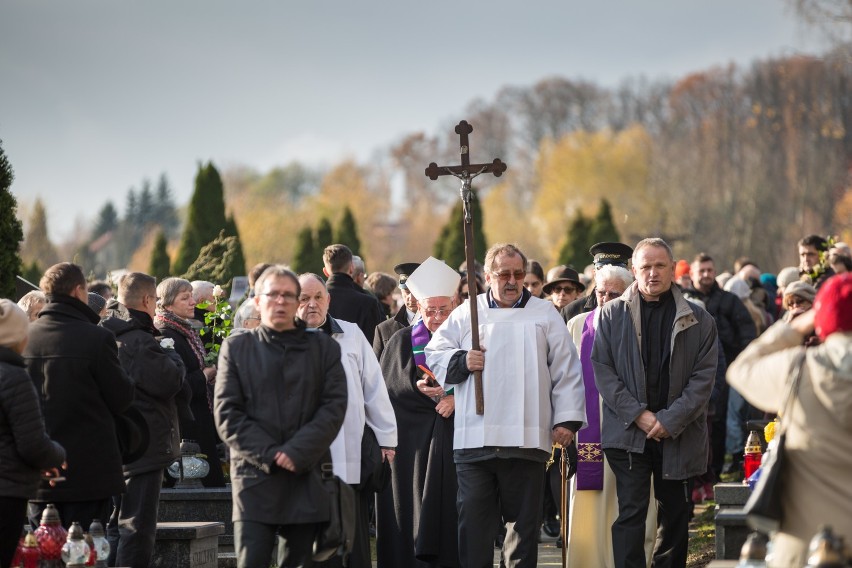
187	544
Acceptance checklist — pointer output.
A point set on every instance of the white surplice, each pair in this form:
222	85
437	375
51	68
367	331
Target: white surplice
368	403
532	379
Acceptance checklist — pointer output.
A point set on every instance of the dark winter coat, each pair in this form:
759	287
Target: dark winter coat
197	424
25	449
734	323
349	302
620	378
158	378
74	365
279	392
581	305
386	329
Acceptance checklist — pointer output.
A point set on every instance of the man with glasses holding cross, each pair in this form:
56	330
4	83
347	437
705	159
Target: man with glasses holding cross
533	390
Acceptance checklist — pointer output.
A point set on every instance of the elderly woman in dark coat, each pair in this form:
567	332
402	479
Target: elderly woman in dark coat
175	308
25	449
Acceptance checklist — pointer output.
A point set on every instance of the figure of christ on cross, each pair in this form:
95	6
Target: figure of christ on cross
466	172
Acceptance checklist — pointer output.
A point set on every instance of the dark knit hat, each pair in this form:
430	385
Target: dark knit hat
96	302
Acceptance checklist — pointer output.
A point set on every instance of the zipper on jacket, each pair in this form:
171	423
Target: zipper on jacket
629	461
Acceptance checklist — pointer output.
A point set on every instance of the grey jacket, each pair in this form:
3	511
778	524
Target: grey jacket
279	392
620	378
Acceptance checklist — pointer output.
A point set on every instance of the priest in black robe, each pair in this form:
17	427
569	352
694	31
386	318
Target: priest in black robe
416	517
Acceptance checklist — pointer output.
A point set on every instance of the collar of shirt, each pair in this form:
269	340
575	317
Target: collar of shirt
522	301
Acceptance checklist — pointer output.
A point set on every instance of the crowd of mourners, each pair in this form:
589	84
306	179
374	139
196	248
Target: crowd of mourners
597	406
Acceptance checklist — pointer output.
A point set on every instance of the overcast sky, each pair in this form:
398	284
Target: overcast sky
97	95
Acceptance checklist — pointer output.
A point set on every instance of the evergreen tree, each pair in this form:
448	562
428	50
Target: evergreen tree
306	258
32	273
325	235
164	205
238	262
107	220
347	232
131	207
603	227
145	209
215	261
37	245
578	240
452	246
159	266
11	232
205	219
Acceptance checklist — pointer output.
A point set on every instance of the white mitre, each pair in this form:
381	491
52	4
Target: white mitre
433	278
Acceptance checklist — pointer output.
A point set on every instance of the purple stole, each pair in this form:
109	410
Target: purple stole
419	338
589	453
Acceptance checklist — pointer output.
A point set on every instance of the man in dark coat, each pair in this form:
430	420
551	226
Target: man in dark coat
416	517
158	377
25	449
280	400
404	317
736	330
74	366
348	300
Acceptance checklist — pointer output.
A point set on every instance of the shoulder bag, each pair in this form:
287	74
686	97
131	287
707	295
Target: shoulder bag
763	509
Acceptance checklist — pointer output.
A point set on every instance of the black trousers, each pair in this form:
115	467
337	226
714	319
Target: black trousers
495	489
633	475
132	528
254	543
81	511
12	520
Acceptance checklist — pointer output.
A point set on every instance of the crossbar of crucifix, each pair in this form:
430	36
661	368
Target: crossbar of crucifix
466	172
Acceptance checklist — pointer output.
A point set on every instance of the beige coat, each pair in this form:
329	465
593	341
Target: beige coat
819	438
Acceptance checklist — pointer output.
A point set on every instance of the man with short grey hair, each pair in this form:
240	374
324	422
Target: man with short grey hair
654	359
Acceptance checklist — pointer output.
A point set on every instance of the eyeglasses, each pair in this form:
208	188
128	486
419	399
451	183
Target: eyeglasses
505	275
560	289
432	312
607	295
286	297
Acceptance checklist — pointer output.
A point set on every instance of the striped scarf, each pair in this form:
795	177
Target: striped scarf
169	320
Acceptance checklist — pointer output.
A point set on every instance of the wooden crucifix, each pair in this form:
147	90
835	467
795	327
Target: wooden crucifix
466	172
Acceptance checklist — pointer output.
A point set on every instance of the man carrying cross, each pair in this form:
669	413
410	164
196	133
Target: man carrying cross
533	390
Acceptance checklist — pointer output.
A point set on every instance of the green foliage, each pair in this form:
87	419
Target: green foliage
603	227
32	273
578	240
160	263
11	232
218	325
164	211
216	261
306	258
347	232
107	220
238	263
451	242
205	219
325	235
37	245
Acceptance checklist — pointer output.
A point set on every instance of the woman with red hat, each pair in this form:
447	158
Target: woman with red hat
819	426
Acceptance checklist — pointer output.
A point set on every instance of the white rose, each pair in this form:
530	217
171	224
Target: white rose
217	291
167	343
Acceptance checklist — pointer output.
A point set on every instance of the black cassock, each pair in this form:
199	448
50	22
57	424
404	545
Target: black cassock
416	514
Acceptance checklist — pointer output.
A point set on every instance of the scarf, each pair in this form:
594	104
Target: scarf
169	320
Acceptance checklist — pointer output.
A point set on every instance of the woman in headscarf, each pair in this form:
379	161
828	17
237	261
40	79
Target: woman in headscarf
175	307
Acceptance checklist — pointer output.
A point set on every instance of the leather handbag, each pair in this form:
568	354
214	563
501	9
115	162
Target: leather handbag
763	509
375	472
337	535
